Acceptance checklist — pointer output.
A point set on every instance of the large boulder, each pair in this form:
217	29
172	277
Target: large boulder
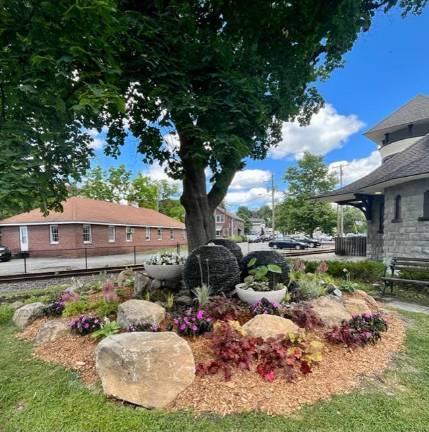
135	312
125	275
371	304
25	315
330	310
147	369
51	331
16	305
356	306
266	326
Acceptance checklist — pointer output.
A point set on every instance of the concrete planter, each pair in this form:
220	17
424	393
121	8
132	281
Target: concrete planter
251	297
164	271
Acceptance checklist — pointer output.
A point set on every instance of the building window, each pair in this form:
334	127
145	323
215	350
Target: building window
397	217
87	234
128	234
159	233
217	233
171	234
184	234
220	218
425	216
54	236
381	219
147	233
111	234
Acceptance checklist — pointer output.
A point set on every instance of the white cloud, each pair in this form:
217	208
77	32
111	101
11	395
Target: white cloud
250	178
357	168
157	172
327	131
172	141
254	197
96	141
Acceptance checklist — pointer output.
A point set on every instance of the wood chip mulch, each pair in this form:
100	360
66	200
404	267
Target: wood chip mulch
340	371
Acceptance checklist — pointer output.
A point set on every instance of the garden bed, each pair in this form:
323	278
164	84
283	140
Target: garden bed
340	371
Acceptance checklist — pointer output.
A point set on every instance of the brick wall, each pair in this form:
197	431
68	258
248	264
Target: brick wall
71	237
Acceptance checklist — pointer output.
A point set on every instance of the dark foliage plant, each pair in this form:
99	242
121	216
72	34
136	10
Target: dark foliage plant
225	309
55	308
264	306
273	356
361	330
85	325
304	317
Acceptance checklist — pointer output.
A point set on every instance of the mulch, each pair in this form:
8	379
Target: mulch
341	371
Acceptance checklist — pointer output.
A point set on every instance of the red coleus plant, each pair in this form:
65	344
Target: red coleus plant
272	356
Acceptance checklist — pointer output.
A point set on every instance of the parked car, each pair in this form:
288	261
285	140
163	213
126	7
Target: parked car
287	244
308	240
5	253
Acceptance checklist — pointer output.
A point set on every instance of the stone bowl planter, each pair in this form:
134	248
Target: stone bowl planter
251	297
164	272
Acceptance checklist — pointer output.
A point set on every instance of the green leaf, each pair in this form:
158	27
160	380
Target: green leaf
251	263
273	268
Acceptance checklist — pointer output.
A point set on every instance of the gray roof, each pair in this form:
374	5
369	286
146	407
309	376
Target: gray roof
413	161
414	110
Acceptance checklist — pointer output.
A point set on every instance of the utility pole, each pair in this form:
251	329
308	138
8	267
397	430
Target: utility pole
273	224
340	214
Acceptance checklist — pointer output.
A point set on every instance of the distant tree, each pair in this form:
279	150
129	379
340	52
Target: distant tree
245	213
266	214
354	220
299	212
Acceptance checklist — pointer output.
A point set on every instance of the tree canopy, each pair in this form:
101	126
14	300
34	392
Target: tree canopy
219	77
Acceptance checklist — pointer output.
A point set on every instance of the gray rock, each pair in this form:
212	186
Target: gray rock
337	293
155	284
136	312
16	305
51	331
144	368
142	282
25	315
183	300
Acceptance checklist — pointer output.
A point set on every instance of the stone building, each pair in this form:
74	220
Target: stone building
395	197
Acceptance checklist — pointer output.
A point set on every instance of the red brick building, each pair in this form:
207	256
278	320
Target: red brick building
100	227
228	224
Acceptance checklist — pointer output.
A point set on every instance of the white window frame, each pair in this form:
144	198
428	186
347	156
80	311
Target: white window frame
171	234
184	234
88	226
129	233
52	234
111	234
148	233
160	233
220	218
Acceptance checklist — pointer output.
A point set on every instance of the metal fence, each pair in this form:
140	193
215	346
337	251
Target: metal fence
83	258
350	246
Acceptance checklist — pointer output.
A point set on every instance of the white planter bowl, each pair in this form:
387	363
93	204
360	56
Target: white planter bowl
251	297
163	271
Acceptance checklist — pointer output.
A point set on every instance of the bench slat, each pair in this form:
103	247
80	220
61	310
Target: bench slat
417	282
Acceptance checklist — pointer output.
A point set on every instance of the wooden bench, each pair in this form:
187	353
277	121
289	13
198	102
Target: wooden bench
405	264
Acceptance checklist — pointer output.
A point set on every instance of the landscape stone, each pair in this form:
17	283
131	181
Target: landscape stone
16	305
135	312
356	306
144	368
369	300
51	331
125	275
266	326
142	282
155	284
330	310
26	314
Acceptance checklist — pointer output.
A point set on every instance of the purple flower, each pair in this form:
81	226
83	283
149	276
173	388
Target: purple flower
200	314
194	328
182	327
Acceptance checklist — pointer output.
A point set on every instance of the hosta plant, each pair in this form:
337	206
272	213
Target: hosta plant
193	323
264	306
359	331
85	325
258	278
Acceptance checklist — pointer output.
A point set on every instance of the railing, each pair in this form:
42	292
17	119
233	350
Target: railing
83	258
350	246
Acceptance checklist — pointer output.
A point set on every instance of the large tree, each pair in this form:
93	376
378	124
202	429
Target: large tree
220	75
298	212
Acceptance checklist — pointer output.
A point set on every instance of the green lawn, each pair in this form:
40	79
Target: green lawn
38	397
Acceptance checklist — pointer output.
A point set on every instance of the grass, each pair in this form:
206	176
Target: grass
39	397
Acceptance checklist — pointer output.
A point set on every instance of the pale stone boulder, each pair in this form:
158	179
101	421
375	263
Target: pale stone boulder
146	369
125	275
141	283
25	315
330	310
51	331
356	306
135	312
370	301
16	305
266	326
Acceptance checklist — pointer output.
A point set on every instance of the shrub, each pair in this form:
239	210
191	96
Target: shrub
76	308
304	317
231	349
85	325
359	331
108	328
144	327
104	308
225	309
193	323
414	275
264	306
310	286
6	313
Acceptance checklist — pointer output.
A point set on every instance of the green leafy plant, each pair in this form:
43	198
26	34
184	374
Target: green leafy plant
76	308
104	308
202	295
310	286
258	278
6	313
169	301
108	328
349	286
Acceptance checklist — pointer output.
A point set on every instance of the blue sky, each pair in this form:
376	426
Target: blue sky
387	66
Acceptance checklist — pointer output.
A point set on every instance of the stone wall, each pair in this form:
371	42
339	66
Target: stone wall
375	238
408	237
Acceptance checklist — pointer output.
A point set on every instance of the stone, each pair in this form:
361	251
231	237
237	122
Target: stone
330	310
142	282
266	326
135	312
183	299
369	300
356	306
16	305
155	284
25	315
125	275
51	331
144	368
